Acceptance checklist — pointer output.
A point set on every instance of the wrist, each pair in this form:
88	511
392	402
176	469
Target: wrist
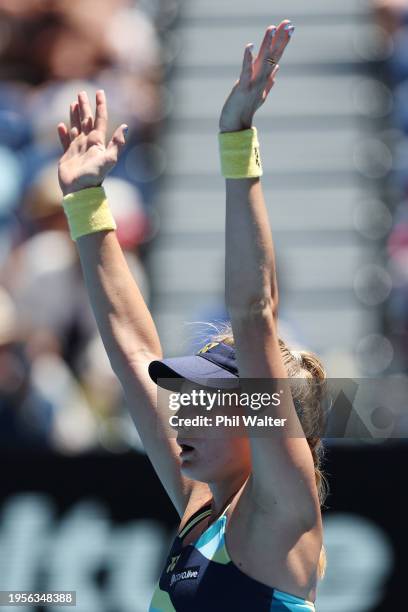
234	125
70	190
85	193
240	156
87	211
74	188
238	127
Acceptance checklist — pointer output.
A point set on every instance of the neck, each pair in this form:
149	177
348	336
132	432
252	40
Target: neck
224	491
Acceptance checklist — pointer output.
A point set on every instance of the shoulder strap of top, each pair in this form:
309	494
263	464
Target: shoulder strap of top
224	511
198	516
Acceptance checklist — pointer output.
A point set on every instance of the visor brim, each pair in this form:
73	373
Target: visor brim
193	368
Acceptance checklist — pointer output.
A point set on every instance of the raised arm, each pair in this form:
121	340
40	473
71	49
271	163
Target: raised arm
123	319
282	467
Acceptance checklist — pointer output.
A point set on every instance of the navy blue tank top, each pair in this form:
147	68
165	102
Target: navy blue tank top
201	577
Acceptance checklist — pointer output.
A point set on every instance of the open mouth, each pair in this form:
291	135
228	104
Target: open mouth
185	448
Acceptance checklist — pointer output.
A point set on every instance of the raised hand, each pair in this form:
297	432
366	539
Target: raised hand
256	80
87	159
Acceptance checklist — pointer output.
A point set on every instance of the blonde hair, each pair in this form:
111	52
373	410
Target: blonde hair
308	393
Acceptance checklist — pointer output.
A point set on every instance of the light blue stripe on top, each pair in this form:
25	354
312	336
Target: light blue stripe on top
284	602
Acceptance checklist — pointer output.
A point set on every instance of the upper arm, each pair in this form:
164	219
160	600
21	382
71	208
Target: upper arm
153	427
282	464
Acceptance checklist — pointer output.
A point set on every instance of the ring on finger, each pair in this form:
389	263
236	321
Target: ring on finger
271	61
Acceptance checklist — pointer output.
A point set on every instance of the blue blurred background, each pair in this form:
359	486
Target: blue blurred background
80	507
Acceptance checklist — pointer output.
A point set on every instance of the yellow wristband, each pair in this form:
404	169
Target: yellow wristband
88	211
239	152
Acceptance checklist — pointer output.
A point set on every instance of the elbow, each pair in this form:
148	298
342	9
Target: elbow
132	363
249	299
258	307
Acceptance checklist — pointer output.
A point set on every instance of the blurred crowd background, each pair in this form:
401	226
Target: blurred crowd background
392	18
335	143
56	386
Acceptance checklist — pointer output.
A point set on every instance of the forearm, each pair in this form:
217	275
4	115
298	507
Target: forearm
250	269
123	319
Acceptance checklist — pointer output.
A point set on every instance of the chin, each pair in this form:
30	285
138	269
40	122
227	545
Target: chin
192	470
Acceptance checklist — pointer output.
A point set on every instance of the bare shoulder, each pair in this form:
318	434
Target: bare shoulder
279	550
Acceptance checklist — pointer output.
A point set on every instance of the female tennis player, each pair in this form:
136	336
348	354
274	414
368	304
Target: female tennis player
250	536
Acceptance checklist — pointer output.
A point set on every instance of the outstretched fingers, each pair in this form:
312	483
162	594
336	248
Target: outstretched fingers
281	39
272	48
264	50
85	112
73	133
117	142
247	65
271	80
75	119
64	137
101	114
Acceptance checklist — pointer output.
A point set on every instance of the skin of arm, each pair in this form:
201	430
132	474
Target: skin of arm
123	319
282	476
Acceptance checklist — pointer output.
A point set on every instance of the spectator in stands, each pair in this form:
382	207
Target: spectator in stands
45	44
